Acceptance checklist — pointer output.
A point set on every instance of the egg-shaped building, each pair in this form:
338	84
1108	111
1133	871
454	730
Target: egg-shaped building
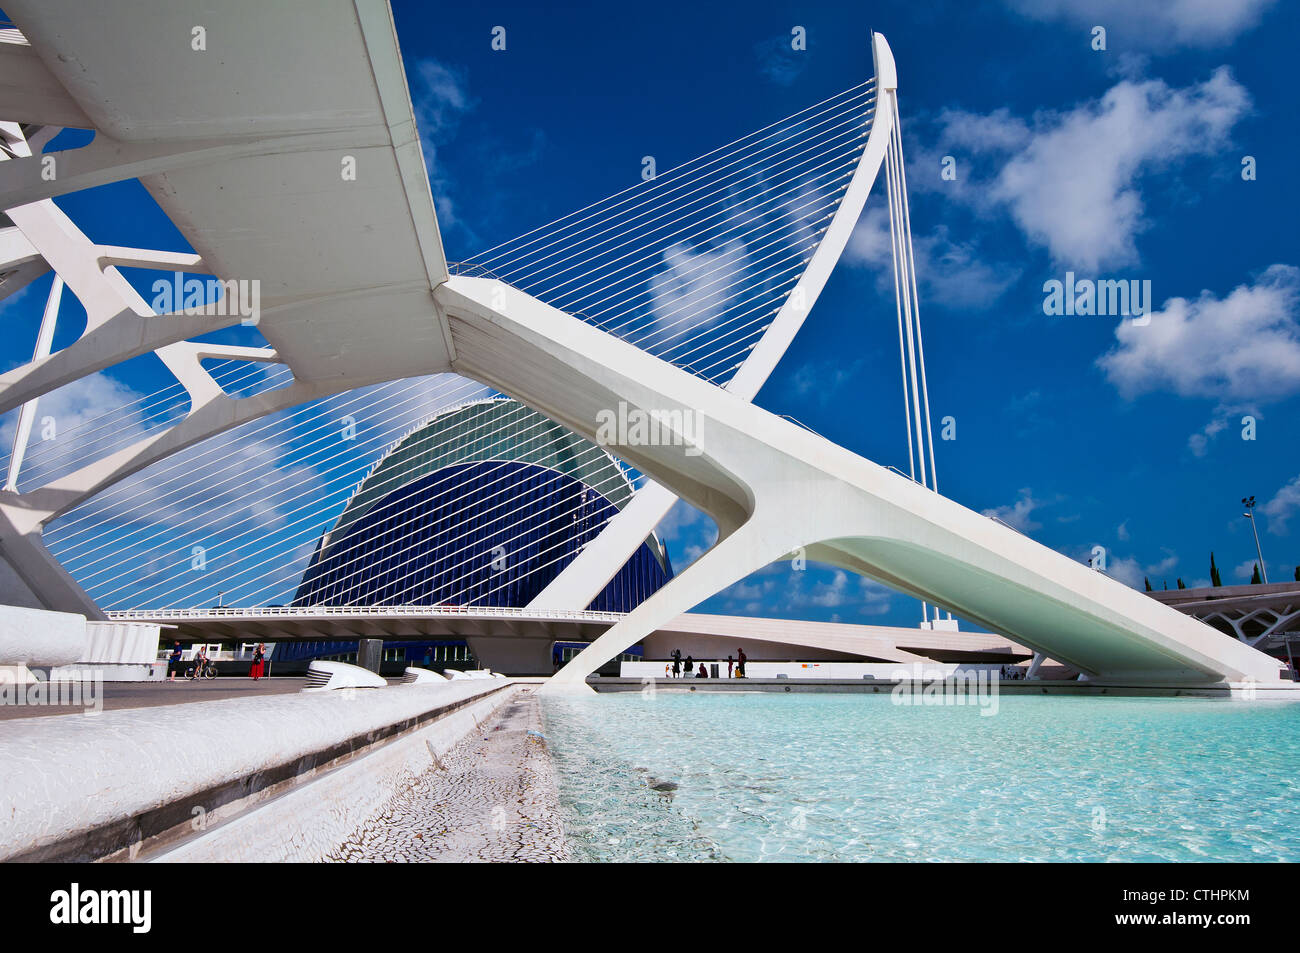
483	505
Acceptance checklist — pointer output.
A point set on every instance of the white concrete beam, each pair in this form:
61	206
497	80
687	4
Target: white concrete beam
773	487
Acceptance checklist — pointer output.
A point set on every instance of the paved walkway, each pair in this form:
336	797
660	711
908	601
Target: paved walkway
494	799
151	694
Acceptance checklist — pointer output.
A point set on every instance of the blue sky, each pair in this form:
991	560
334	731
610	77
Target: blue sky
1122	163
1117	163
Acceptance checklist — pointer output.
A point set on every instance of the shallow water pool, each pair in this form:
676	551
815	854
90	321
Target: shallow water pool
802	777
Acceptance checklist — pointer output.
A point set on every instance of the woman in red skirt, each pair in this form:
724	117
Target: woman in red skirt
259	657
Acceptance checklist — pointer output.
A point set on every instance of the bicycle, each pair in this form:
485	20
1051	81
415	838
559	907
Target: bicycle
205	669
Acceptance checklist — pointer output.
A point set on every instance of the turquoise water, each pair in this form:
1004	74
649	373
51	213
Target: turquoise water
803	777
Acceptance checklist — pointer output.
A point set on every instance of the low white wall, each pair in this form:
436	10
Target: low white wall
115	652
107	672
121	643
70	776
38	637
74	648
309	822
852	670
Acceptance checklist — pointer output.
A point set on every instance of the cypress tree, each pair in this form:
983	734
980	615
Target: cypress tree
1181	584
1146	582
1254	577
1214	572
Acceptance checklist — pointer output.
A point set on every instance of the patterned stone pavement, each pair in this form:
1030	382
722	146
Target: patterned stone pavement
493	799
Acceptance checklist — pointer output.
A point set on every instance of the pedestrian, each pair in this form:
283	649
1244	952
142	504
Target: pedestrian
259	662
677	662
428	655
740	663
174	662
730	665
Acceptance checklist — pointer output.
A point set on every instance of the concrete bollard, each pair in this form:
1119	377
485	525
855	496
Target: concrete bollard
370	653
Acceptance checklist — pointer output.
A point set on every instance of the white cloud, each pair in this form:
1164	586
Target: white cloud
1162	24
1223	417
255	497
810	588
443	97
1127	570
1018	514
440	97
832	594
820	381
1073	186
1165	565
778	60
1244	347
874	597
691	292
1199	442
947	271
997	132
1071	180
690	553
240	481
1132	572
91	416
780	588
690	531
1282	507
681	516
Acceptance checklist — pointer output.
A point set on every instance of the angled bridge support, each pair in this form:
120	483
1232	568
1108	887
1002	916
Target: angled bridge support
773	487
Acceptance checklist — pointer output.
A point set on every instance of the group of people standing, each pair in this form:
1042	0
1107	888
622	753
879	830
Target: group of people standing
687	668
175	657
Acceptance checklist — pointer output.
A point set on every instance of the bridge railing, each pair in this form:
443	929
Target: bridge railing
273	612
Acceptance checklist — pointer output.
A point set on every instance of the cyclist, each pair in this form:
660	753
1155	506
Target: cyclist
200	662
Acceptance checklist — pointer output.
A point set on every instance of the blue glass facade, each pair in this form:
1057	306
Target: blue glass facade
488	533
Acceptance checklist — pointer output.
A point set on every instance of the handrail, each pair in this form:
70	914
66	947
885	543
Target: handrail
799	423
579	615
470	269
997	519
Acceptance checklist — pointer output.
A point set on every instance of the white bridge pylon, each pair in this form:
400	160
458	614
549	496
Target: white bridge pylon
214	139
774	488
587	574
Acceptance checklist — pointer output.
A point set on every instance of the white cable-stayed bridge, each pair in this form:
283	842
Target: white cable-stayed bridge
675	298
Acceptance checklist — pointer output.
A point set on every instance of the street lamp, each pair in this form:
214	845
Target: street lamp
1249	503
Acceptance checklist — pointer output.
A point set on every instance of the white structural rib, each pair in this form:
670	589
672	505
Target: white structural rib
44	338
214	135
587	575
